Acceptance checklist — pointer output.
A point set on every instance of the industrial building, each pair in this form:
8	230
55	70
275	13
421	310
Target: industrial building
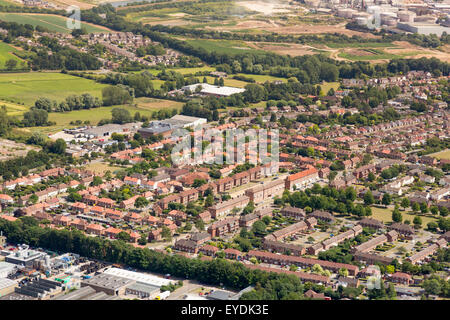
6	269
107	130
6	286
167	126
107	283
186	121
25	256
423	28
40	288
139	277
86	293
211	90
143	291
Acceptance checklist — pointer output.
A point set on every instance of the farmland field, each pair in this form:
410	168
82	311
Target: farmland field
6	53
25	88
14	109
52	22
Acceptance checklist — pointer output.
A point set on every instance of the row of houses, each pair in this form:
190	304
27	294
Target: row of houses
334	241
272	258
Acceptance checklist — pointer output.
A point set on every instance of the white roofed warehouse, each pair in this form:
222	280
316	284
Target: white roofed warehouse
211	90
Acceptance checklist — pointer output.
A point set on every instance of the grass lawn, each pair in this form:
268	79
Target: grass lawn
184	71
360	45
51	22
14	109
151	104
222	46
101	167
227	82
441	155
25	88
328	85
261	78
385	215
374	54
6	53
9	3
145	106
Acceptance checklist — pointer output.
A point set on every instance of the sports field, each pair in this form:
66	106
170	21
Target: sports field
51	22
25	88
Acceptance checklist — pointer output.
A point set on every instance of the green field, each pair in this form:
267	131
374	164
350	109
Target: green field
51	22
374	54
326	86
261	78
9	3
145	106
183	71
442	154
222	46
360	45
6	53
14	109
385	215
25	88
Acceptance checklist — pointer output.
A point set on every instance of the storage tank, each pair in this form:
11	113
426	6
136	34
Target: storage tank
387	16
346	13
362	21
406	16
391	22
425	18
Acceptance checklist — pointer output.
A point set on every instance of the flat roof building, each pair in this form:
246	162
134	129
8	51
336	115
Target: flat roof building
107	283
211	90
138	277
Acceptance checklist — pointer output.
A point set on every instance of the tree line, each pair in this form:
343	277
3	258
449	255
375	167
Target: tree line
219	272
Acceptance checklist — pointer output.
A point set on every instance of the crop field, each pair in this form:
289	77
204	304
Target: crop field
51	22
6	53
25	88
